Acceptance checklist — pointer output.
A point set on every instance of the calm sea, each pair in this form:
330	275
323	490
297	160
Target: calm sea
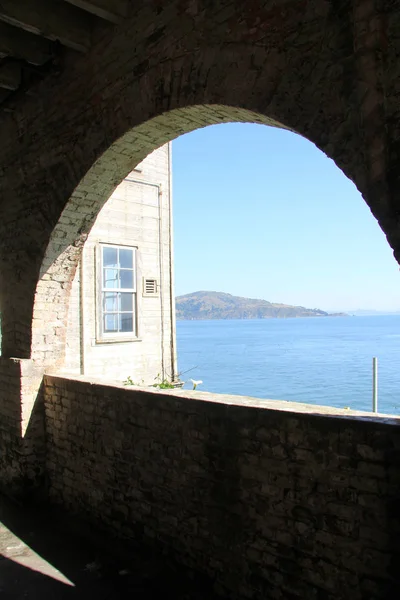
317	360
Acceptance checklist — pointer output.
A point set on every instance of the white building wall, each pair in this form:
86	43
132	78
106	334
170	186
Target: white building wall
139	215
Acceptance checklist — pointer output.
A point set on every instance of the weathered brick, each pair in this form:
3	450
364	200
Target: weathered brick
212	502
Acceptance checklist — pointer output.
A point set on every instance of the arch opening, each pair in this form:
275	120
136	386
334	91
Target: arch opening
67	239
88	201
301	235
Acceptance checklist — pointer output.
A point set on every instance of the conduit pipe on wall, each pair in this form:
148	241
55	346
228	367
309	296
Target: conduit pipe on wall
161	261
174	359
81	313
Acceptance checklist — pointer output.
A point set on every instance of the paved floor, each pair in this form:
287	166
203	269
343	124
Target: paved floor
41	559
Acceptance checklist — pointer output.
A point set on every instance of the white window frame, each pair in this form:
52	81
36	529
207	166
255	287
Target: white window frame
115	336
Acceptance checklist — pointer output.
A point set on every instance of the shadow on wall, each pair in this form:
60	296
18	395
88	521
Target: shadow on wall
22	441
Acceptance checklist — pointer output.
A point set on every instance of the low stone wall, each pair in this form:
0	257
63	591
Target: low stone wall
272	500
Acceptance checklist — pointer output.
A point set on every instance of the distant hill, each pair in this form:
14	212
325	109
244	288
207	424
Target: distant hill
218	305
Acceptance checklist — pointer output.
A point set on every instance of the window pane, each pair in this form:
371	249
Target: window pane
126	302
110	257
125	258
117	306
110	302
110	323
111	278
126	322
126	279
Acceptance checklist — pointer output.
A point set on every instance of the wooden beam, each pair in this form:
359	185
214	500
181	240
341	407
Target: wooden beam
10	75
110	10
52	19
23	45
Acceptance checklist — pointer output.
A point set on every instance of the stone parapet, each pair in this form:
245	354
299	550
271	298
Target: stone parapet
268	498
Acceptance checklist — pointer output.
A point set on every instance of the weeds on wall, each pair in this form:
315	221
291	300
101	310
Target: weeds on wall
164	383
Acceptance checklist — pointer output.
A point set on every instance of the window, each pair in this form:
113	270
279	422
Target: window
118	291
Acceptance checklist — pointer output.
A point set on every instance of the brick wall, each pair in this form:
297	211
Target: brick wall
168	68
10	422
22	443
269	499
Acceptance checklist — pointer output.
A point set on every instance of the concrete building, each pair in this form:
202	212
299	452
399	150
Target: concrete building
121	320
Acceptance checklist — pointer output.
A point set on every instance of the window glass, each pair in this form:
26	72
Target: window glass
110	323
126	278
118	305
125	258
126	322
110	257
126	302
110	302
111	278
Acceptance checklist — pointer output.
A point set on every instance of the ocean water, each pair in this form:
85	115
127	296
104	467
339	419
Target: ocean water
324	361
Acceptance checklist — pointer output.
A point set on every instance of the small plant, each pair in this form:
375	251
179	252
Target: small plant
163	384
129	381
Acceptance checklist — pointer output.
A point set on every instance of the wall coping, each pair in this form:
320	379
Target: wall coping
295	408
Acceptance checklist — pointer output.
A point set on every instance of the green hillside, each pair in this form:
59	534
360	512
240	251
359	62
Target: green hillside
218	305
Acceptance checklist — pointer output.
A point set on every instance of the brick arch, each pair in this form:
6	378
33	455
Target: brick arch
134	90
70	233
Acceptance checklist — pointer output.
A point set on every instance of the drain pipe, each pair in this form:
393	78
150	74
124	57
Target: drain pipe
82	312
161	261
174	358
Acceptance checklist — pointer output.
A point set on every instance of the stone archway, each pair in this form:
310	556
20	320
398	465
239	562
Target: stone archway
167	69
322	80
69	235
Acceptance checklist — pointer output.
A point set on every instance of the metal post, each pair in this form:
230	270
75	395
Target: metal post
375	384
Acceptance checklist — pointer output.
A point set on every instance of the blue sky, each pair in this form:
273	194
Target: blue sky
261	212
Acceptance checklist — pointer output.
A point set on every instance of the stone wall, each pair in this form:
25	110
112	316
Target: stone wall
22	442
271	500
10	422
168	68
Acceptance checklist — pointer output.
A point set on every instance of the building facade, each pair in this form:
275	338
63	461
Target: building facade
121	318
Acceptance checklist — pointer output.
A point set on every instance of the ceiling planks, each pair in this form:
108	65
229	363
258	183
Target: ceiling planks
52	19
38	38
110	10
23	45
